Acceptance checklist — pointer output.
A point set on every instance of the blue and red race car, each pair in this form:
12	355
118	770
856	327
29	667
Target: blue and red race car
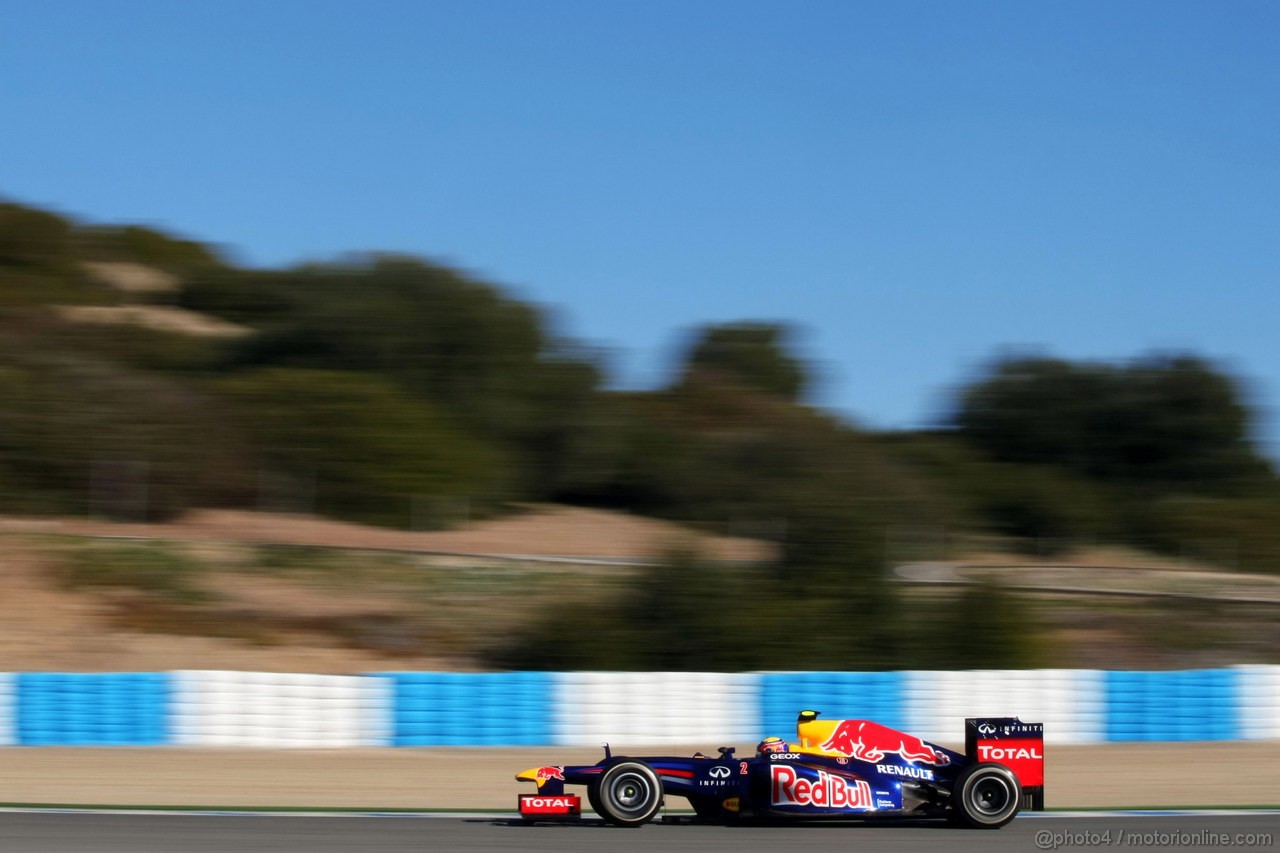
834	769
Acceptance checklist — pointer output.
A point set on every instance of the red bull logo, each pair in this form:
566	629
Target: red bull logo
868	741
788	788
545	773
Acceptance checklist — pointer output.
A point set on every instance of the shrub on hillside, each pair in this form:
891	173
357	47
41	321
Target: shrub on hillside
369	448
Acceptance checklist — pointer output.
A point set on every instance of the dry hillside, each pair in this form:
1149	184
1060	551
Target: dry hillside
242	590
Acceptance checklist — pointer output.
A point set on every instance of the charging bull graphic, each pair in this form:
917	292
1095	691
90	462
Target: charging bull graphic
868	741
546	774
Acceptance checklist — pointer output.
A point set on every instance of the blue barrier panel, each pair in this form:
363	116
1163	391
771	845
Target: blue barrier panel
470	709
874	696
77	709
1173	706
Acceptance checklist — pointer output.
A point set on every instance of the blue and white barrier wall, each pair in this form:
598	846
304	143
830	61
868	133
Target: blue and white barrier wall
74	709
1070	702
656	708
6	710
278	709
1169	706
254	709
470	709
1258	702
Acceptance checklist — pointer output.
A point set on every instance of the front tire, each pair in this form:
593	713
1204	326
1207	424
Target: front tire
626	794
594	800
985	796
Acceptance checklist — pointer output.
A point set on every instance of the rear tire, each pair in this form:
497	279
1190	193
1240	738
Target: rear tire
628	793
985	796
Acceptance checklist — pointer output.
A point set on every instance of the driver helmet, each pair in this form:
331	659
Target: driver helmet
772	744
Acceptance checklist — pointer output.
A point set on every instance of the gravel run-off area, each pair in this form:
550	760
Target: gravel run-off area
1106	776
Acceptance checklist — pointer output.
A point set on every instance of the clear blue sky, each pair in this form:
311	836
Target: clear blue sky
916	185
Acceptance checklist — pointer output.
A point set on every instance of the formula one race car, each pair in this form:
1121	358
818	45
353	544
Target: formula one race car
834	769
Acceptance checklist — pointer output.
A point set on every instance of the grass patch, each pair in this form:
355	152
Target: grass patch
155	569
300	558
396	605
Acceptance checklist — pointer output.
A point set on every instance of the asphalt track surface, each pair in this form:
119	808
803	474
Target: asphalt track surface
151	833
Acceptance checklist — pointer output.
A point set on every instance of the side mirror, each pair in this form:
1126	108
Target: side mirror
726	752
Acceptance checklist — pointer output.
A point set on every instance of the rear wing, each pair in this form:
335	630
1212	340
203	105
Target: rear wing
1015	744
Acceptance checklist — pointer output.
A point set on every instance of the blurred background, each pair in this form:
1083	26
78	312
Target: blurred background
657	338
306	457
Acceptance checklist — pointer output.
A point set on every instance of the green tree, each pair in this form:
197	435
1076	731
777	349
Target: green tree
67	418
33	239
1163	422
370	447
755	355
452	341
986	627
143	245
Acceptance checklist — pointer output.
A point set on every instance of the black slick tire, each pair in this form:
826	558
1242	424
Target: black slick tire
628	793
985	796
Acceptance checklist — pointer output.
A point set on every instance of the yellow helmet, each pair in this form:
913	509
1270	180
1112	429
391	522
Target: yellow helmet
772	744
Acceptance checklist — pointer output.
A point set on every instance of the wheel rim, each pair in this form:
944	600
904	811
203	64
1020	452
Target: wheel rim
990	796
631	793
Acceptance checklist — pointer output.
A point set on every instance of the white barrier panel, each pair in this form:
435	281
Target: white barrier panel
1070	702
632	708
279	709
8	710
1259	700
